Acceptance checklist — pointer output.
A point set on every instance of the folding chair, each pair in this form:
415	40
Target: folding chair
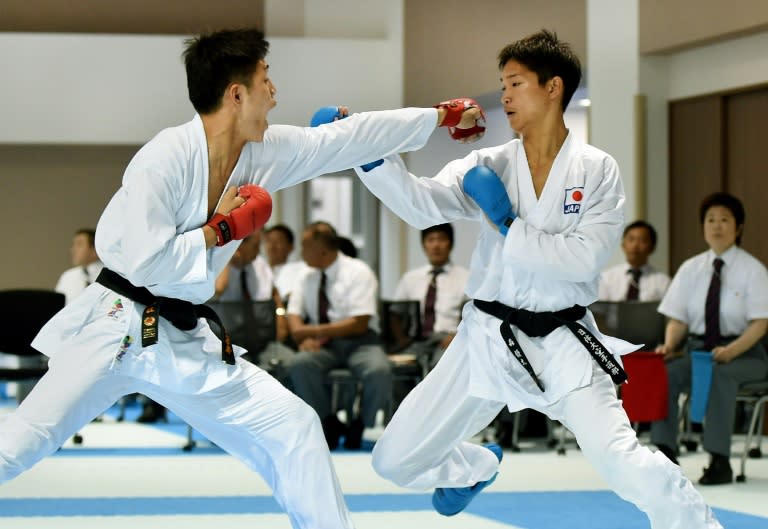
23	313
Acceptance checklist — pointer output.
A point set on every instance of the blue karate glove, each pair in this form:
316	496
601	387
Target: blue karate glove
486	188
329	115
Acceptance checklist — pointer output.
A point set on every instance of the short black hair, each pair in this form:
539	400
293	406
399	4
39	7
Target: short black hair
89	233
214	60
728	201
642	224
325	234
447	229
347	247
285	230
547	56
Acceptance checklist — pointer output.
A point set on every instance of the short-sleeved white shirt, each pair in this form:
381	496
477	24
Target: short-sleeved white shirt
743	291
614	283
449	298
351	288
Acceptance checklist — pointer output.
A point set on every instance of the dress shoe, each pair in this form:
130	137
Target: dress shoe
333	428
451	501
353	440
669	452
152	412
718	472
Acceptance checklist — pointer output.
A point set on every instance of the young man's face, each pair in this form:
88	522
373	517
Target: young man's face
637	246
277	247
257	100
81	251
437	248
524	100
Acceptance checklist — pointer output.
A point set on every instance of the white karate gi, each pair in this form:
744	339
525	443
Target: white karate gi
151	234
549	260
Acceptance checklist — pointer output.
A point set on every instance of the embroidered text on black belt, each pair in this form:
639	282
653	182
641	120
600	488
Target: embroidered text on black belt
182	314
541	324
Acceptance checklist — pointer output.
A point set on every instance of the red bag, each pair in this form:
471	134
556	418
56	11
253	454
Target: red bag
645	395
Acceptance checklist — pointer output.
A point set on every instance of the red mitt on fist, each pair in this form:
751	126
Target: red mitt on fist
455	108
244	220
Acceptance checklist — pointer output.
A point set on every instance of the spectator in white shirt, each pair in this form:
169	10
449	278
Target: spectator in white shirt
718	302
441	309
278	246
85	265
249	278
333	320
634	280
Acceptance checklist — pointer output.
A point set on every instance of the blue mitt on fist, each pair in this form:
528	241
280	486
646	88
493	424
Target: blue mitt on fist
487	189
325	115
329	115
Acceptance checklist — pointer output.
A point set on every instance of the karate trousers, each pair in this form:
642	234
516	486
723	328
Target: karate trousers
424	445
251	416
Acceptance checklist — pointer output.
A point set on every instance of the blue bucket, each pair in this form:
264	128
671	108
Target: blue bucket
701	380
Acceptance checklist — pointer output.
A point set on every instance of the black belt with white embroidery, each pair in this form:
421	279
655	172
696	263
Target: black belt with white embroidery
182	314
537	324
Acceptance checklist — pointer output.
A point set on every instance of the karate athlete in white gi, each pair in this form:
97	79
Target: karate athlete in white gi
163	238
556	217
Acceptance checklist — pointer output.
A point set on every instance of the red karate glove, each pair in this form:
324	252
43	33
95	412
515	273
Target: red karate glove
244	220
455	112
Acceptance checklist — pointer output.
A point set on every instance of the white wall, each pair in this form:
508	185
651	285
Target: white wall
117	89
731	64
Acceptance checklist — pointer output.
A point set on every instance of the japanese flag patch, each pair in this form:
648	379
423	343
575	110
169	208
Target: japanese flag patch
573	199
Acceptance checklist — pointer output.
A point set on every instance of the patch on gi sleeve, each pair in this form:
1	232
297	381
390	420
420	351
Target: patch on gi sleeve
125	344
573	198
117	309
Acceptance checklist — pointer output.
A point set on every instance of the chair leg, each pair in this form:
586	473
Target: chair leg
191	443
756	413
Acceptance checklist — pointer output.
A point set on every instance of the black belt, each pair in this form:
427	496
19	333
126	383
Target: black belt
538	324
182	314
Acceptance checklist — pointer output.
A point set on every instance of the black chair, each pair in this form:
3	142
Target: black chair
252	325
634	321
755	393
22	314
400	326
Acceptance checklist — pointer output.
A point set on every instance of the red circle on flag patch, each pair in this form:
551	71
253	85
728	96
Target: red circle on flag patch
577	196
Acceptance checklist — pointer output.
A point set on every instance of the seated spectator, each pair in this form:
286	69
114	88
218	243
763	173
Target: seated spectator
439	288
249	278
333	319
278	246
634	280
85	265
718	302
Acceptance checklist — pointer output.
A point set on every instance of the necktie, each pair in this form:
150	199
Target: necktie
244	285
428	324
633	292
87	276
712	308
322	301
